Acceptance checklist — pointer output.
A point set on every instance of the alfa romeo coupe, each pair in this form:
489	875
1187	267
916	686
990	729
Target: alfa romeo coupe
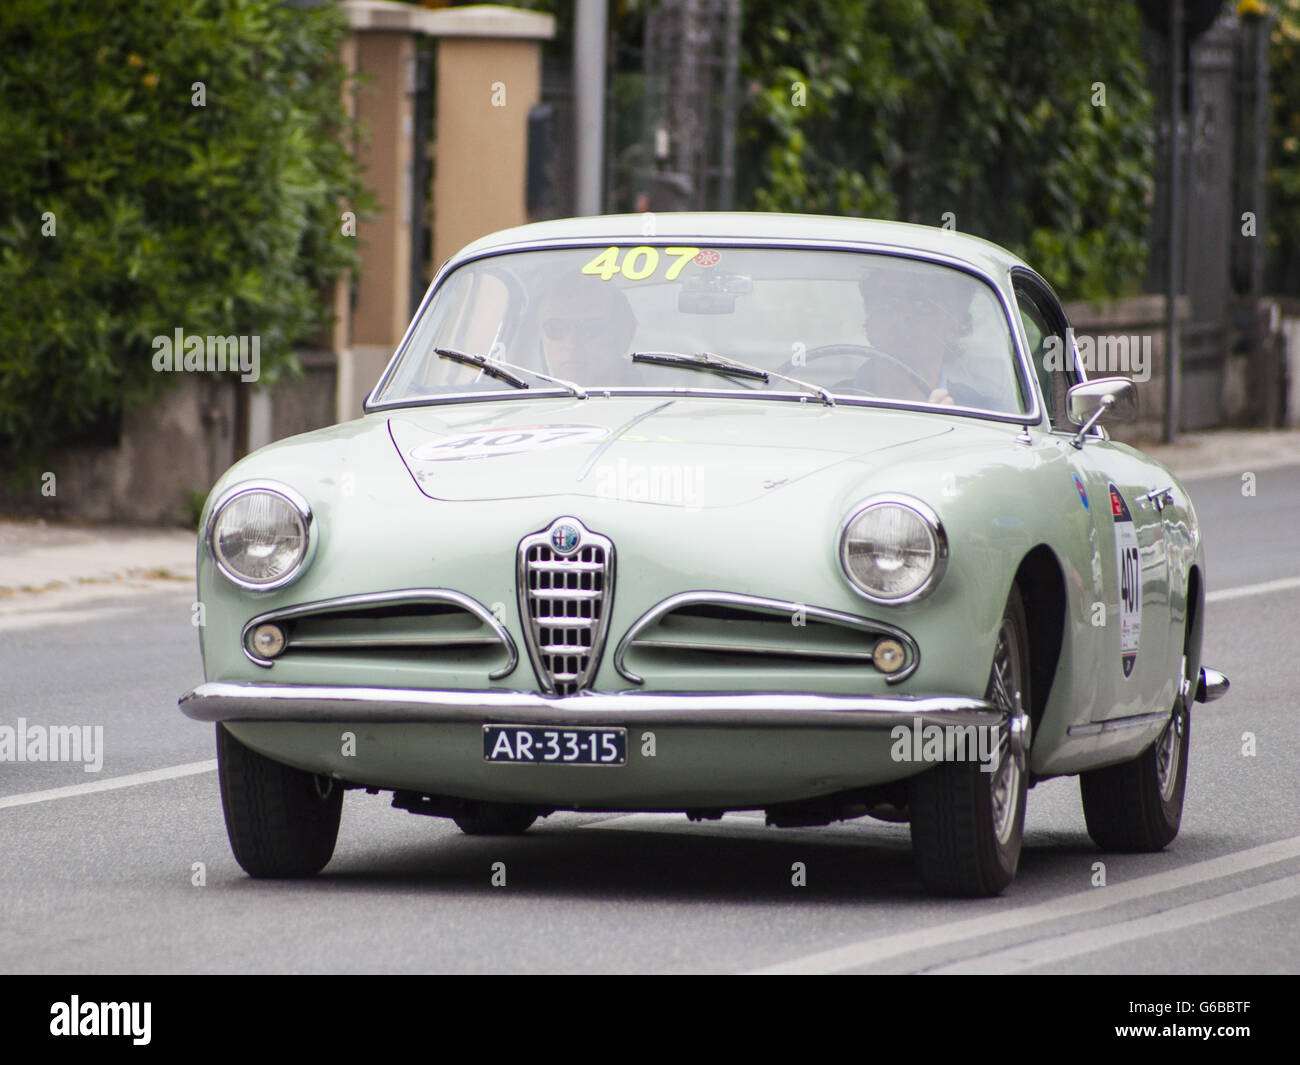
711	512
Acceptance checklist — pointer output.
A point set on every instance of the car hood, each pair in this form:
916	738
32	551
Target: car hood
689	452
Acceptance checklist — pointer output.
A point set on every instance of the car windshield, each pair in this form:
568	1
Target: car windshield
860	325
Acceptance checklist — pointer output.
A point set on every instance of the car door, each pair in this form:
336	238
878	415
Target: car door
1127	576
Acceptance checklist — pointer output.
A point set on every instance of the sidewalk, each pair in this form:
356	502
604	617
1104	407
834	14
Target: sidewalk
46	566
1227	451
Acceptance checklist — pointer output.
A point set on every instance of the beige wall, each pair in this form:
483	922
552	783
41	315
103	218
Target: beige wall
480	166
384	107
480	155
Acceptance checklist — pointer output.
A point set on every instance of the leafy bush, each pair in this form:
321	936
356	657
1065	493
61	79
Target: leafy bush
1283	219
983	108
217	219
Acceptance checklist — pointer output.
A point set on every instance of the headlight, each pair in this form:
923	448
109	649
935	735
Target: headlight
259	534
893	549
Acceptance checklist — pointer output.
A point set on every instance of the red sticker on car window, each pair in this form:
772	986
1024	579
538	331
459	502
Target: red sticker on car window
708	257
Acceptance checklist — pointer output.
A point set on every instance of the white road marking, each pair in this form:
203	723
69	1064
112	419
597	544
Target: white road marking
37	619
1058	948
111	784
1285	584
870	951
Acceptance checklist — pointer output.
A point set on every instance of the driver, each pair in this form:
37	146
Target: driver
586	326
920	315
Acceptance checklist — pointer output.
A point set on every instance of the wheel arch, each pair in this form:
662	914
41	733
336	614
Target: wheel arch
1042	589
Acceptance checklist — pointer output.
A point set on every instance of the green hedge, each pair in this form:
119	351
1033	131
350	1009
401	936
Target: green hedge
913	109
218	219
982	108
1283	218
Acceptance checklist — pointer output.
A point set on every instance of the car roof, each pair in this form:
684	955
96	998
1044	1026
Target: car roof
760	226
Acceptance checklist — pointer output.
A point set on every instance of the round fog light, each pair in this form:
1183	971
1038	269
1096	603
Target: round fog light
268	640
889	656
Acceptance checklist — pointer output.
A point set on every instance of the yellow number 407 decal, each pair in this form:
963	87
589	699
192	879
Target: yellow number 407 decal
638	263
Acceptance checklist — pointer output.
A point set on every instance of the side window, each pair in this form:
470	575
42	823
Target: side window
1050	347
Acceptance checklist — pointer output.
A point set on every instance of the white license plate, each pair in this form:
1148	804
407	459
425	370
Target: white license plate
538	745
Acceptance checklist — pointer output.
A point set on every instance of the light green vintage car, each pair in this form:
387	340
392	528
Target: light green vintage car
709	512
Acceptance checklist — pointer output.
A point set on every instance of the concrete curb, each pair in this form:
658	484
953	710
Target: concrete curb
46	563
1227	451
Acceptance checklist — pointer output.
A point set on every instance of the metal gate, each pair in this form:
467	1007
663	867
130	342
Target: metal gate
692	50
1221	105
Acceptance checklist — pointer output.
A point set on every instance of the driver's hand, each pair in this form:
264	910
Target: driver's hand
940	395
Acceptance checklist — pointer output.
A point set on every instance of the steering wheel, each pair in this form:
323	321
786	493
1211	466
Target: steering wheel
865	351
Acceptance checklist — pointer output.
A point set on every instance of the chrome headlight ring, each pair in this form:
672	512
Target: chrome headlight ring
301	513
933	527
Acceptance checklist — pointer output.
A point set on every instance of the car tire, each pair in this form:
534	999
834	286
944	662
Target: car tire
282	822
495	819
1137	806
968	824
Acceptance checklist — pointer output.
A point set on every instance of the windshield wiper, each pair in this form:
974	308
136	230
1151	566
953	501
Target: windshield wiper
707	360
500	369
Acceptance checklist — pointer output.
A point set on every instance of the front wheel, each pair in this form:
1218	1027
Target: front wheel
1137	806
282	822
967	822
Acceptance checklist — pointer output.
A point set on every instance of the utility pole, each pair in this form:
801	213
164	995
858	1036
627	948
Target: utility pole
1173	349
589	34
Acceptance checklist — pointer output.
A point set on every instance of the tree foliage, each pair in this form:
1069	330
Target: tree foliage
988	109
1283	219
218	219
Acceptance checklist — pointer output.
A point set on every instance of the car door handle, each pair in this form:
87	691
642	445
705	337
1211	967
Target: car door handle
1161	497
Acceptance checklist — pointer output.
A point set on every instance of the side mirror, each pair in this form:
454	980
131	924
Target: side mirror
1109	398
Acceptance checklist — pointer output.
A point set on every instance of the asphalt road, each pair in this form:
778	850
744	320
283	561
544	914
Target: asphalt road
104	880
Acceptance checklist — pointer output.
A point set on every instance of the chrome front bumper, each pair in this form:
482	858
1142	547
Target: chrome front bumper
261	702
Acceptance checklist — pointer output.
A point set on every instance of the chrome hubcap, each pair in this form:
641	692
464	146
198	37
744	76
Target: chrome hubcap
1013	739
1169	746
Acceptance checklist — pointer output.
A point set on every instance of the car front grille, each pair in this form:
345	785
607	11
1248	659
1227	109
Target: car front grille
565	595
407	628
692	638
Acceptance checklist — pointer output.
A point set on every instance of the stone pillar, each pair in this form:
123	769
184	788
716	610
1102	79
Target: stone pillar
489	78
384	50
